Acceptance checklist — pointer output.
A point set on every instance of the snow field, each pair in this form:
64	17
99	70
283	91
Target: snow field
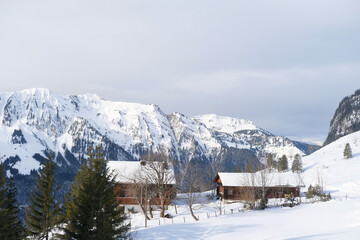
337	219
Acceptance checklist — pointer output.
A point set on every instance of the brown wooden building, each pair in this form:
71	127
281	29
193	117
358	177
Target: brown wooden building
236	186
133	180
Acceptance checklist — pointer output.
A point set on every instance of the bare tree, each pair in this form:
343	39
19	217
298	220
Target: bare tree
320	175
136	188
139	191
299	179
264	178
159	174
192	184
249	191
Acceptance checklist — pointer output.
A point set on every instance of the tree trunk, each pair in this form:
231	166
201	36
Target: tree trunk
162	206
150	211
47	227
143	211
192	214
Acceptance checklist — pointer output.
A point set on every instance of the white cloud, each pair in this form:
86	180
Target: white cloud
273	62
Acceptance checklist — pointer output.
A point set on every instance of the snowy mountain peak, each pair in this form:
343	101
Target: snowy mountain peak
36	121
225	124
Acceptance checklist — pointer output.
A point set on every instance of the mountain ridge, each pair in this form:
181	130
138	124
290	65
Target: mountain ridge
346	118
35	123
74	122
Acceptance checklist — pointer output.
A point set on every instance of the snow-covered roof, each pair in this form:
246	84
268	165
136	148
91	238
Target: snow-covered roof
131	171
273	179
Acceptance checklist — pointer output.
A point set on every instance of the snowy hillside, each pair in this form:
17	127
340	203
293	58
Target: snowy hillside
338	219
341	176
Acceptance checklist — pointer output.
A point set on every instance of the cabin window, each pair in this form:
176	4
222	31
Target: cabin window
230	191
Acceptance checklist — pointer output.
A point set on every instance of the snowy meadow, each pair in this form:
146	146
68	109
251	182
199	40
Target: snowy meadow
338	218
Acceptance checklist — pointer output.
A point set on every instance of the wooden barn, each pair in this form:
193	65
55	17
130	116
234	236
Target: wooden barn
134	179
236	186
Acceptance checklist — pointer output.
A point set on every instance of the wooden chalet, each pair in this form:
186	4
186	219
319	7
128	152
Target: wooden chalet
132	178
236	186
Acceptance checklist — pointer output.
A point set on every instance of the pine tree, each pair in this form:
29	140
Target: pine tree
283	164
347	151
92	211
3	210
43	212
14	229
10	225
270	161
297	164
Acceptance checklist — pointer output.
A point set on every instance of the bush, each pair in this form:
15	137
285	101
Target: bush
314	191
263	203
317	192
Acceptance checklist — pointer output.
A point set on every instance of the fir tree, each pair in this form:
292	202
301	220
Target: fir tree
14	227
92	211
297	164
347	151
3	210
283	164
270	161
43	212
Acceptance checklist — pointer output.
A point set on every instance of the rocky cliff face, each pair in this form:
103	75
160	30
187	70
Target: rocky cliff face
35	123
346	119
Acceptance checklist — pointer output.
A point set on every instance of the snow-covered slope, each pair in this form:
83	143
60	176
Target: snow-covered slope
341	176
335	219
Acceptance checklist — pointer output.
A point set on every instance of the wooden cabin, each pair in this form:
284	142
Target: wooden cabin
133	179
237	186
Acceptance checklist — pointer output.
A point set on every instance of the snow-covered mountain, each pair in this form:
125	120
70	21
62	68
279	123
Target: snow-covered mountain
346	119
35	121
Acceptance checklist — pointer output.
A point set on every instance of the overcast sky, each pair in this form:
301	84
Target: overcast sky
284	65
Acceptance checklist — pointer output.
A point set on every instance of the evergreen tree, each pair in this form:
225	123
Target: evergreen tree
283	164
43	212
270	161
347	151
3	210
14	227
10	225
297	164
92	211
